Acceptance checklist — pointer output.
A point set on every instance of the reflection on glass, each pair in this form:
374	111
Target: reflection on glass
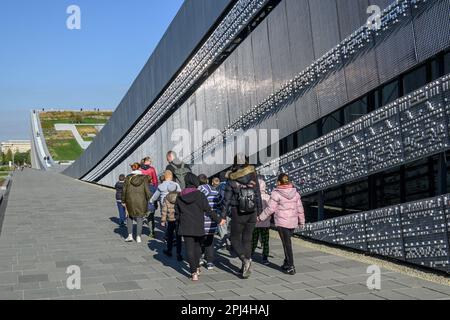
331	122
447	63
389	93
308	134
387	188
421	179
415	79
356	110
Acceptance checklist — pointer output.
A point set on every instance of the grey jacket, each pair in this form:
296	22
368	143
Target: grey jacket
164	189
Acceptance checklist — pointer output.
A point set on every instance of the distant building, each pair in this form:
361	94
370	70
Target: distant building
16	146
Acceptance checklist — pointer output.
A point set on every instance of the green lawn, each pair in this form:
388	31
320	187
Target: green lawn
64	150
61	144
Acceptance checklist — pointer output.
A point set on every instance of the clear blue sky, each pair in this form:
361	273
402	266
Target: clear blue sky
43	64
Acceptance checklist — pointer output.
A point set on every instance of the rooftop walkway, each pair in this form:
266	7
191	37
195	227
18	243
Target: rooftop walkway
52	222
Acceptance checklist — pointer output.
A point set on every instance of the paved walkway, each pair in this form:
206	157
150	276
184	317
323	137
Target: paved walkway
53	221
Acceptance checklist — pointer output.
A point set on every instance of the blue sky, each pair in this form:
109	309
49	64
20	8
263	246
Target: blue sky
43	64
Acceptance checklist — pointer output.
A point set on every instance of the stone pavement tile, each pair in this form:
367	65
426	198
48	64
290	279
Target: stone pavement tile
362	279
364	296
438	287
197	289
297	286
325	292
94	280
114	260
350	264
9	277
422	293
322	283
131	277
33	278
67	292
52	284
88	297
121	286
274	288
226	285
131	295
170	291
95	288
273	280
390	285
298	295
4	288
392	295
350	289
172	282
356	271
267	297
68	263
238	298
247	291
328	259
326	267
299	277
199	296
223	294
326	275
149	284
149	294
27	286
11	295
41	294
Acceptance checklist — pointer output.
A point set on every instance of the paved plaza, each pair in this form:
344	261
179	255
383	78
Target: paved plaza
52	222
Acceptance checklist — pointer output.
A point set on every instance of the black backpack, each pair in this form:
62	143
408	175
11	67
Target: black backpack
180	174
246	196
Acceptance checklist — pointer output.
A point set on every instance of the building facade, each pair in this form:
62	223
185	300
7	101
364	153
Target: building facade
16	146
362	111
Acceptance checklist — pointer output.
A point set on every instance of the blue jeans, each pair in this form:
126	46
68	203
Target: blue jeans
122	213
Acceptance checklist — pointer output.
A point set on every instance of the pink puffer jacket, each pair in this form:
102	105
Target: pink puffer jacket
265	197
287	206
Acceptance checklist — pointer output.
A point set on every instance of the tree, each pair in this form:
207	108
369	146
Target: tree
9	156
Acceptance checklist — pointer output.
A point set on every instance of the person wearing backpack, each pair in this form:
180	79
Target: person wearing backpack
168	220
178	168
286	204
243	196
214	200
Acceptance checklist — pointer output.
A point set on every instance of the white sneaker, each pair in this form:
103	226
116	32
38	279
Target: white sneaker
129	239
138	240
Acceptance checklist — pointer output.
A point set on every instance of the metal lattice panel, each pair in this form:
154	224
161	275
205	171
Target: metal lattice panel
415	232
383	138
384	233
425	235
408	129
432	29
424	122
351	153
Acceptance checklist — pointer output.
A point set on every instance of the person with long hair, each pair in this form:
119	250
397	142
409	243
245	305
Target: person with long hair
286	205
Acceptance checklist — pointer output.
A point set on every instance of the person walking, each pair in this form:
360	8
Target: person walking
213	196
135	197
224	231
262	229
243	197
120	205
148	170
178	168
286	204
164	188
190	208
168	220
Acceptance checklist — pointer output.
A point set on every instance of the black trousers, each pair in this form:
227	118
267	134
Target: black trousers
286	235
208	248
194	251
171	233
242	227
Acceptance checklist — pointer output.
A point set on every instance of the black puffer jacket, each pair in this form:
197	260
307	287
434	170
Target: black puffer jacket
246	176
189	212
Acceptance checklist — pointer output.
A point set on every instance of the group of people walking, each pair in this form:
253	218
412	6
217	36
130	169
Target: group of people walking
235	208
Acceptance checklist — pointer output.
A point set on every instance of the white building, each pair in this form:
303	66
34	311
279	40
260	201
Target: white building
16	146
